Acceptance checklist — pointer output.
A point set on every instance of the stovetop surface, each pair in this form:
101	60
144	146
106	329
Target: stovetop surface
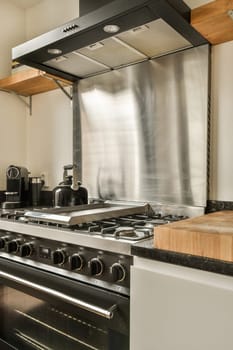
129	227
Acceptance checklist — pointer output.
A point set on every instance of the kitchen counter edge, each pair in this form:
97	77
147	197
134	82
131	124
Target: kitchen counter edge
145	249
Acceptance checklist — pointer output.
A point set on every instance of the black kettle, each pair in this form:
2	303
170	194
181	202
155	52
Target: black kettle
69	192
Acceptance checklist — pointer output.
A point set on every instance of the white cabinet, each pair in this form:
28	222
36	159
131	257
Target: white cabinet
179	308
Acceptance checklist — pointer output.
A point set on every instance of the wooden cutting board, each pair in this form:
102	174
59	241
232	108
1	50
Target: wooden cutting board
208	235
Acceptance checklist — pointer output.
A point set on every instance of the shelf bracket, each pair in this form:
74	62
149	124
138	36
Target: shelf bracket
27	104
62	89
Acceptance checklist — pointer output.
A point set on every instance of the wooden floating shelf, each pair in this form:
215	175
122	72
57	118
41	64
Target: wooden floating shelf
213	21
30	82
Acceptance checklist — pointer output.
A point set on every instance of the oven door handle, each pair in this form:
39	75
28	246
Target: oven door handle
106	313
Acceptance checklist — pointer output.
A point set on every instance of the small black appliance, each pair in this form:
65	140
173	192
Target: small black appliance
35	185
69	192
17	186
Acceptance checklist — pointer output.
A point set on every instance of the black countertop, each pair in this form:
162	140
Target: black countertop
145	249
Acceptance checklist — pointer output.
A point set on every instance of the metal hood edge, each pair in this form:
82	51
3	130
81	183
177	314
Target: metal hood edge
85	46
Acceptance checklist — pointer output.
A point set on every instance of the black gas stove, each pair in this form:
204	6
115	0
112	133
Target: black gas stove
90	243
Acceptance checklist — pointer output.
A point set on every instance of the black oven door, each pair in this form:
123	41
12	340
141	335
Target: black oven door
44	311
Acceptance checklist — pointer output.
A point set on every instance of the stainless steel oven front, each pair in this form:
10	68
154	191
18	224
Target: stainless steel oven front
44	311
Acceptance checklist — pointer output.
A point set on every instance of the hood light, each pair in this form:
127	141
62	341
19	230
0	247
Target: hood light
111	28
54	51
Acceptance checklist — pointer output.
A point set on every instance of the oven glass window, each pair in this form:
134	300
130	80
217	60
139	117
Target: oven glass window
30	323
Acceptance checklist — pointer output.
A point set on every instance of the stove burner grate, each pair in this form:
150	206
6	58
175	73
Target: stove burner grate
131	227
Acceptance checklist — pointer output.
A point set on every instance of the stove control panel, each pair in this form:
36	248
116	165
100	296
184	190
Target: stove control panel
118	272
96	267
84	261
26	249
58	256
76	262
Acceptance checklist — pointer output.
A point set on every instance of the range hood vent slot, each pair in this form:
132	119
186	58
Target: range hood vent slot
84	47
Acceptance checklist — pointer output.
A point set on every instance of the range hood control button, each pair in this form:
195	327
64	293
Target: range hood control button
12	246
26	249
72	27
118	272
76	262
58	257
96	267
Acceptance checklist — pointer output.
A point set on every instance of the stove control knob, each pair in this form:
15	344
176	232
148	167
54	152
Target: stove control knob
96	267
58	257
26	249
118	272
12	246
3	241
76	262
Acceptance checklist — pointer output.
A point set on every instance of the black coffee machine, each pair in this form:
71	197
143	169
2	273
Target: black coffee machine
17	187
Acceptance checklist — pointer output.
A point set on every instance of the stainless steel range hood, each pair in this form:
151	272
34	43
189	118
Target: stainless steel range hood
117	34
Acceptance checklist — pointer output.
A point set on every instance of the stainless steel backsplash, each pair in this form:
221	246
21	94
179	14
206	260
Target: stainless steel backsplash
144	130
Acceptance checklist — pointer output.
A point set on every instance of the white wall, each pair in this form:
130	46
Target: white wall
12	134
49	136
56	12
49	14
43	141
12	32
49	129
12	110
222	123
